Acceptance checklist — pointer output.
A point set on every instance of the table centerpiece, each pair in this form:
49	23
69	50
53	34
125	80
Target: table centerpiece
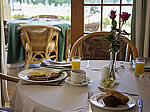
114	39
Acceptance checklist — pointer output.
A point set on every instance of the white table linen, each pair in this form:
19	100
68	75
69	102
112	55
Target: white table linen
67	98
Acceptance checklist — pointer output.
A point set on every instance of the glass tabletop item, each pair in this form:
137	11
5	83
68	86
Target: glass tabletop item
110	82
76	60
139	67
97	100
24	75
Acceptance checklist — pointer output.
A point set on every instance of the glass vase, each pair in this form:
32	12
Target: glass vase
113	57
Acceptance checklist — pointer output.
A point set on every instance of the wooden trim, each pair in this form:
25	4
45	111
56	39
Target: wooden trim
107	4
77	19
9	78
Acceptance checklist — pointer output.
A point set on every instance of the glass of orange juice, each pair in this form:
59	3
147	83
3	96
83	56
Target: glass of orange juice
76	60
139	67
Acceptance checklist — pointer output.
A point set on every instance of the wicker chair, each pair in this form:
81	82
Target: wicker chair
7	108
47	16
40	42
68	42
102	47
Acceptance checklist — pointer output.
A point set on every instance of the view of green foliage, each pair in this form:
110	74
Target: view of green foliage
106	22
66	18
35	2
18	15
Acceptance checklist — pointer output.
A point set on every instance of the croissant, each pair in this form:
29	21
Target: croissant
124	99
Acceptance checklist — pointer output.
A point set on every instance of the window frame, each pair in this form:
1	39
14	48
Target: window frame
77	17
104	4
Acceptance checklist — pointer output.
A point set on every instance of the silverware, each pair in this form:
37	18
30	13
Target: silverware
121	66
132	94
128	93
62	80
87	64
140	105
89	104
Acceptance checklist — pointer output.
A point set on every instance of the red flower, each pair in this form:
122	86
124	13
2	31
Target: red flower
125	16
113	14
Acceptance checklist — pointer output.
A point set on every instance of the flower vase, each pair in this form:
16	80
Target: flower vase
113	57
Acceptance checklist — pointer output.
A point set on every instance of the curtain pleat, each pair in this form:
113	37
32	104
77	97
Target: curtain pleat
133	22
147	31
142	27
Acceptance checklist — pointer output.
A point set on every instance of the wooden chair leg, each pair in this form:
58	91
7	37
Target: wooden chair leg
57	55
28	62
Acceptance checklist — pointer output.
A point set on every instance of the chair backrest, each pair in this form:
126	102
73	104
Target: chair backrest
38	37
93	46
68	42
48	16
42	40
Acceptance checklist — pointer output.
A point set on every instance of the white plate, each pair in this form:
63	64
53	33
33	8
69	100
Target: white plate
60	64
68	81
23	75
97	100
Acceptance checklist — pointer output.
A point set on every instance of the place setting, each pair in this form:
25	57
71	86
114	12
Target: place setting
43	76
56	64
112	100
77	77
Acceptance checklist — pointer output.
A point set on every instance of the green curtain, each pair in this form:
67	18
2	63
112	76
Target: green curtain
140	26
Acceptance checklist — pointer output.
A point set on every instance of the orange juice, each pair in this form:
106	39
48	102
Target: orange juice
75	65
139	67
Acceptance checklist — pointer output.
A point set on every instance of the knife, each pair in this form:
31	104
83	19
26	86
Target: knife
128	93
140	105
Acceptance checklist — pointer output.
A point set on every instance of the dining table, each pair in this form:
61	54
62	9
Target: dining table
71	98
15	47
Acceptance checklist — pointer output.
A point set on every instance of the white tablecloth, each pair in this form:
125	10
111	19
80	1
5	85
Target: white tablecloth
40	21
67	98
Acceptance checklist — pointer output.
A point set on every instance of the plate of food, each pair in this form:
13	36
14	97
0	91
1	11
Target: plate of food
42	75
112	100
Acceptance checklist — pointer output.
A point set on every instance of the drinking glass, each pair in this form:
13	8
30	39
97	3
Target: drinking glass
139	67
76	62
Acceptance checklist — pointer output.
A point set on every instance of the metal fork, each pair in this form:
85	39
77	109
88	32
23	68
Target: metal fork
87	64
89	104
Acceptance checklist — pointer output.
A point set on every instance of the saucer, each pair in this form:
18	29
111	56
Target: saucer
85	83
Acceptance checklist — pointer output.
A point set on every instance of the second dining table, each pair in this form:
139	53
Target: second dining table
15	47
68	98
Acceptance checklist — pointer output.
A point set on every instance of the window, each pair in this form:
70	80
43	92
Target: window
29	8
96	14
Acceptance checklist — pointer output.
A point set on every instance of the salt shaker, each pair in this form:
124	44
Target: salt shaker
105	72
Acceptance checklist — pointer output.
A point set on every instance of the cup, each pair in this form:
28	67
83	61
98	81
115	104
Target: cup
105	72
139	67
76	62
78	76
